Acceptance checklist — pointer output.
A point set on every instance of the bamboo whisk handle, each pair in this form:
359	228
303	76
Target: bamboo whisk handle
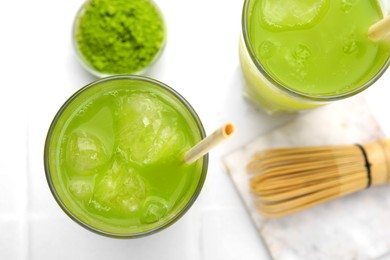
386	149
378	155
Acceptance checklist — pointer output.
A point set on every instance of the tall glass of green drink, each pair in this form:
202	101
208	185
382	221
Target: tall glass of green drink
114	156
298	55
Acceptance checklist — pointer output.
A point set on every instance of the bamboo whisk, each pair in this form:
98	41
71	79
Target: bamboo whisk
290	179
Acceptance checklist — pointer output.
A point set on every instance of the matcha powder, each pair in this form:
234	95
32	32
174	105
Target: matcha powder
119	36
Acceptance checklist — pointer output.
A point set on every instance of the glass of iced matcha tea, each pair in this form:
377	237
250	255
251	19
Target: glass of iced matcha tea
114	156
298	55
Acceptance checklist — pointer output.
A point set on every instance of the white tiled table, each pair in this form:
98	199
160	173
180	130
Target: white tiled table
39	71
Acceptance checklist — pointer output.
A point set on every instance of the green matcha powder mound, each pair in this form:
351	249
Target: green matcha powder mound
119	36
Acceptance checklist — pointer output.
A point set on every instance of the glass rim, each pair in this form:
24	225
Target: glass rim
310	97
85	64
164	225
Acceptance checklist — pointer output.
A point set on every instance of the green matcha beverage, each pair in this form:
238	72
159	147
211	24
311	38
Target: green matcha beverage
114	156
298	55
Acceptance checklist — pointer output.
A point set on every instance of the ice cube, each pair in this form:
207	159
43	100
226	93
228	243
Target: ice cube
81	187
351	46
85	153
284	15
266	49
120	189
155	208
148	129
100	124
301	53
350	43
297	58
346	5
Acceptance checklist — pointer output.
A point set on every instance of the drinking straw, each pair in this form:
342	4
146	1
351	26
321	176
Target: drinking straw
380	30
208	143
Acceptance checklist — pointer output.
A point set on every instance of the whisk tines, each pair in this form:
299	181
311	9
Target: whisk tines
286	180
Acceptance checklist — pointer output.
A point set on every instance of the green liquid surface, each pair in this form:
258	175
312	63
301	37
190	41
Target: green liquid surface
116	157
316	47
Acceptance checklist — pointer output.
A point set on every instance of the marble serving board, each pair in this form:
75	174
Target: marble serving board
353	227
